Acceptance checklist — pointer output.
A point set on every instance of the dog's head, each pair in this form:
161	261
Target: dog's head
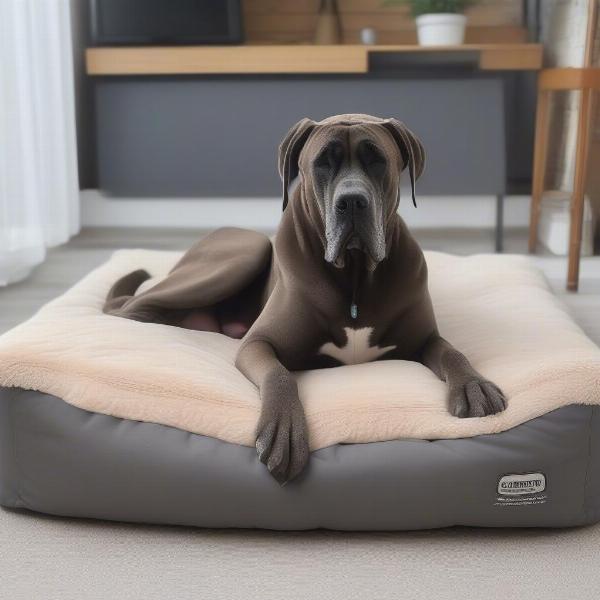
350	168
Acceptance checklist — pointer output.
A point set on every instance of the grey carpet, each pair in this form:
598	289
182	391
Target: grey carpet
52	558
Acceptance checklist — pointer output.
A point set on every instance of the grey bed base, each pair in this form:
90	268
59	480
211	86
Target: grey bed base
61	460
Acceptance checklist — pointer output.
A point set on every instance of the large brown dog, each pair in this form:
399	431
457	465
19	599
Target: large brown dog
346	283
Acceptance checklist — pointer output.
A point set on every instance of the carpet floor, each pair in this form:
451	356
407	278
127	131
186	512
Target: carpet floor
53	558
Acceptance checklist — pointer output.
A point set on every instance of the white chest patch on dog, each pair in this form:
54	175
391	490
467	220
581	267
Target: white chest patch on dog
357	348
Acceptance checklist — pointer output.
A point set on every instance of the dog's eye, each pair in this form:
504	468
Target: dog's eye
330	157
370	156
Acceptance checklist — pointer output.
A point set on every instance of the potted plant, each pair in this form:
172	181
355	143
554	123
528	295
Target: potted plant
439	22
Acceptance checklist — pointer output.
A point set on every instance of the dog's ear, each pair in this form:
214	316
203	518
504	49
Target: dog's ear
289	153
411	149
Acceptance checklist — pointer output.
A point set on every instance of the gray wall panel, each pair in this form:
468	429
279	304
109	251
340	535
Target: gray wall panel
84	104
219	136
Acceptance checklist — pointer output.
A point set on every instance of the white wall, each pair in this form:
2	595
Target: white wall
264	213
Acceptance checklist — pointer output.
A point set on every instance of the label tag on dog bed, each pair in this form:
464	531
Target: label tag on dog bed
521	489
517	485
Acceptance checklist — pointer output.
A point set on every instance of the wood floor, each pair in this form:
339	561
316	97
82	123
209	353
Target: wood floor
67	264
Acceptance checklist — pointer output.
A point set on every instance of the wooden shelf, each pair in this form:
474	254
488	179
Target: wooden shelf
211	60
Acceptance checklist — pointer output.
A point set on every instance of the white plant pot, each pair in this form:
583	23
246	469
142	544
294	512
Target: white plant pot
441	29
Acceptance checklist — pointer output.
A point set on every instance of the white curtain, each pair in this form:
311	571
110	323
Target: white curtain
39	196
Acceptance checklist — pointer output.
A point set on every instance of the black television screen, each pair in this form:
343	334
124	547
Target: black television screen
152	22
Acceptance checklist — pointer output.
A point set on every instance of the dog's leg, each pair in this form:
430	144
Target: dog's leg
470	394
281	434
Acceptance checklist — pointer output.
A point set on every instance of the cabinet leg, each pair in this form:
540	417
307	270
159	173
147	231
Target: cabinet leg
499	223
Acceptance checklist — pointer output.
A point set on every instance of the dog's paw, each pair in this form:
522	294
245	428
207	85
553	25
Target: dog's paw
475	397
281	439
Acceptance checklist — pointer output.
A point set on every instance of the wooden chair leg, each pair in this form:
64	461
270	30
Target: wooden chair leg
577	201
539	164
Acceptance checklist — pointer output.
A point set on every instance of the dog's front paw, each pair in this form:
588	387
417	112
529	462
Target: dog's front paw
475	397
281	437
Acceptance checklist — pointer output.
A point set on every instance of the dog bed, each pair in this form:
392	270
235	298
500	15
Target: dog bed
115	419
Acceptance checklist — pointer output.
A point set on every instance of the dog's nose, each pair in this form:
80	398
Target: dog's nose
351	202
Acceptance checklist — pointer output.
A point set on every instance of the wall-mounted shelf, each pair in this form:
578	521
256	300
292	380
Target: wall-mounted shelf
289	59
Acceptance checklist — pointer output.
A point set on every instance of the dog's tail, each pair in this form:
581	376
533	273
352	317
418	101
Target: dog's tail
123	289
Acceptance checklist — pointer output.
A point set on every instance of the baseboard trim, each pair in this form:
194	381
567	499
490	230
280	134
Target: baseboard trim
100	210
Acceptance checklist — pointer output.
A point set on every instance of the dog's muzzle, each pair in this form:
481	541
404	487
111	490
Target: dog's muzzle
354	221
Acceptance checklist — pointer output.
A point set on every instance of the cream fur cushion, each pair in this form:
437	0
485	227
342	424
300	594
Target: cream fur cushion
498	310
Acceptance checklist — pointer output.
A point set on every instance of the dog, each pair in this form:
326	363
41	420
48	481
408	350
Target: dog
343	283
